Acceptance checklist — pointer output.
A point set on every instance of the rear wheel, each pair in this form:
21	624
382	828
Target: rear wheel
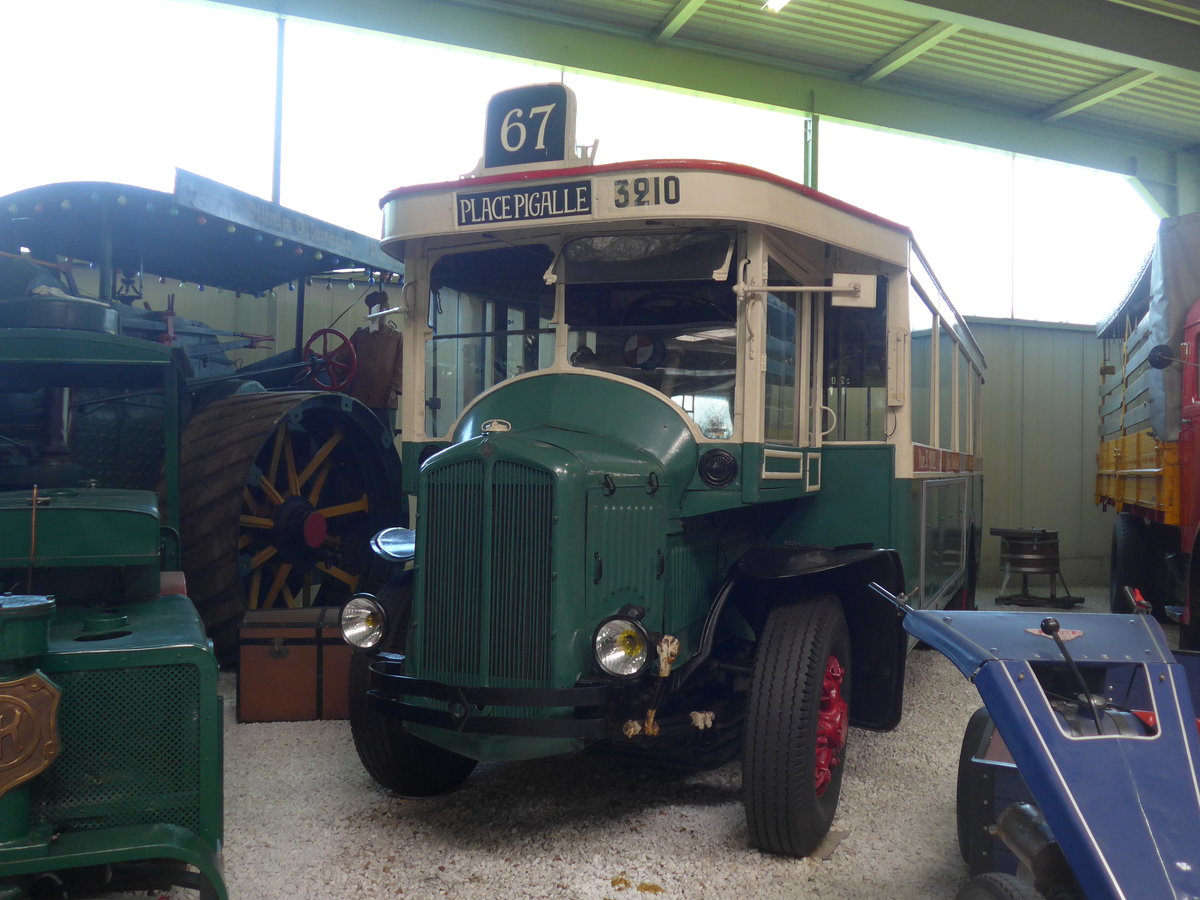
281	494
1129	562
398	761
797	723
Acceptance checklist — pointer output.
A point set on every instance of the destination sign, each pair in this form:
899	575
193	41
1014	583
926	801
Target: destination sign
522	204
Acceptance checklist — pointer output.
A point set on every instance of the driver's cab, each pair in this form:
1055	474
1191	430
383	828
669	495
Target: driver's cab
744	328
657	308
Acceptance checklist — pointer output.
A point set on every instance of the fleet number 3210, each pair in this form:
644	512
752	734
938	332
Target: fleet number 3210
646	191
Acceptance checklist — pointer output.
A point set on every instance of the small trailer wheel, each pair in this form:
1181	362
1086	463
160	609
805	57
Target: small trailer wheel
998	886
973	811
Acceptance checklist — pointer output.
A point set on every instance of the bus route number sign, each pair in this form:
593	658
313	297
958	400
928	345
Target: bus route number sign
529	125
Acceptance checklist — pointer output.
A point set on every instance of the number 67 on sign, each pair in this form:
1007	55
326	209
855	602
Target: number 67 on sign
530	125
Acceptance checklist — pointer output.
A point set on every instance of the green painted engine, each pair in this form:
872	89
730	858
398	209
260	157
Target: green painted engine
110	721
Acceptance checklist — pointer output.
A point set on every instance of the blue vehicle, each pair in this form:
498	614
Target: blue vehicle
1080	778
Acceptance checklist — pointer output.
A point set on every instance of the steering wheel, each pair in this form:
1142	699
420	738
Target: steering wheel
333	366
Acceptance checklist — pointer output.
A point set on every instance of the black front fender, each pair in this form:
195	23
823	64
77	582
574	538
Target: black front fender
769	575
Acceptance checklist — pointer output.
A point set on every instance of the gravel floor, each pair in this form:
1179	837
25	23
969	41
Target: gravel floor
303	820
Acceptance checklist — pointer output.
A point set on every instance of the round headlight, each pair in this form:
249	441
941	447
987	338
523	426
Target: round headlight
718	468
364	622
621	647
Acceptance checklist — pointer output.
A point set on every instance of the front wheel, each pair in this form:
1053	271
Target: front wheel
974	809
398	761
797	723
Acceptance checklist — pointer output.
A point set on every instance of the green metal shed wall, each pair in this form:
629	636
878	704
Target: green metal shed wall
1040	431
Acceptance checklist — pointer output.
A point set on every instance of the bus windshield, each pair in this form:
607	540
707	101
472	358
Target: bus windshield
658	308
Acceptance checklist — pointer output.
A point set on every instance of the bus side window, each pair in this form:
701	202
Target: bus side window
856	369
921	321
779	413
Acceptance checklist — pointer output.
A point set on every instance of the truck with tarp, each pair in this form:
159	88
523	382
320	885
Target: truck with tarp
1149	414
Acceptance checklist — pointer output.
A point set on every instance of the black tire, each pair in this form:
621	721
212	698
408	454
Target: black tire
785	813
973	810
998	886
241	516
398	761
1129	562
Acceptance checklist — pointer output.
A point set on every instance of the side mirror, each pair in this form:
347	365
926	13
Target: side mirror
1160	357
395	544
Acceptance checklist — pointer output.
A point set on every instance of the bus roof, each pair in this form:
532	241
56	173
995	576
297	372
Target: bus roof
477	181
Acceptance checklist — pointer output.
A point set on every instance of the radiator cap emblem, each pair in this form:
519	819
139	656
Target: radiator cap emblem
496	425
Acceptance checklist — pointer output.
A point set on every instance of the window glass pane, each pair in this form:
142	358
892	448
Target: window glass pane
679	339
947	369
977	416
647	256
856	369
490	312
965	396
779	414
921	343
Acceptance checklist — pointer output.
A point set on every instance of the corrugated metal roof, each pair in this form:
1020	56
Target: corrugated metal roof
1112	84
997	69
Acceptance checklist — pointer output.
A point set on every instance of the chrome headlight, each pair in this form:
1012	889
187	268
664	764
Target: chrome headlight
364	623
621	647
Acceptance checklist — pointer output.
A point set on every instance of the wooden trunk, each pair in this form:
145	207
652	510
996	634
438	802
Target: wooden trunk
292	666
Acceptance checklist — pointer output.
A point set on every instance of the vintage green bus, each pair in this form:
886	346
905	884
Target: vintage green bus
664	422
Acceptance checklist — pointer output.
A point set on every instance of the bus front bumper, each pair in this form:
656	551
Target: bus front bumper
575	713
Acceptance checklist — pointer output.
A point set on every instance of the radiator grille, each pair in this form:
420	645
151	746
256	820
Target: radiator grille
130	754
521	568
454	570
488	573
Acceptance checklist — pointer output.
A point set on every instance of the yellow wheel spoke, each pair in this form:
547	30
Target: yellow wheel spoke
289	598
262	556
252	591
319	457
319	483
289	458
340	574
249	501
277	451
345	509
244	541
256	522
269	489
278	584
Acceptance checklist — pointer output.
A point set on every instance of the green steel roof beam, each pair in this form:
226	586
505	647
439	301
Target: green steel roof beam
1106	31
907	52
1095	95
676	19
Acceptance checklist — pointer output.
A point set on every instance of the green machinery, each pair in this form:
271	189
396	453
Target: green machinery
149	494
267	449
110	752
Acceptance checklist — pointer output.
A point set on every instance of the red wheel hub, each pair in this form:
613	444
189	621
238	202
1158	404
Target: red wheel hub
833	724
315	529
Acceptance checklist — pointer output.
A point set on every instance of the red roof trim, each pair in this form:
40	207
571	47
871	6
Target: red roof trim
701	165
